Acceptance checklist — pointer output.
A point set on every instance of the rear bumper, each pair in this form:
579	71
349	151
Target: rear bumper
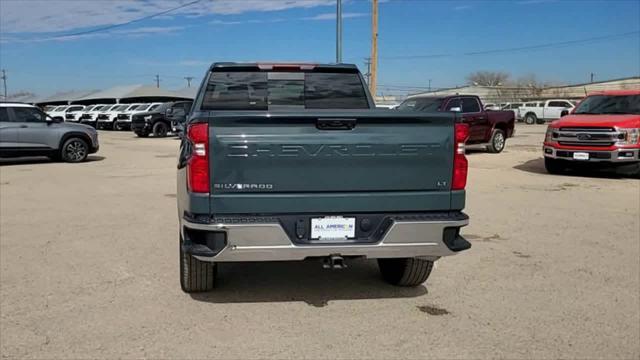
613	156
269	241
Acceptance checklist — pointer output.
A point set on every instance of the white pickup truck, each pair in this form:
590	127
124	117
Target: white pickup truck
539	112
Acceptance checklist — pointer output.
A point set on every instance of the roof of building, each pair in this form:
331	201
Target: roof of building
64	96
127	91
188	92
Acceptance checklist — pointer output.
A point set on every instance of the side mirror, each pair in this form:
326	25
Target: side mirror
49	120
564	112
456	109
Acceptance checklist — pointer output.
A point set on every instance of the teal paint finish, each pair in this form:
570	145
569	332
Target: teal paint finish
401	201
266	162
458	200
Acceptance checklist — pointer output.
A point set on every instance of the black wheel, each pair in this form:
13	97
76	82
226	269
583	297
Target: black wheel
142	134
114	126
632	170
196	275
530	119
160	129
554	166
74	150
497	143
405	271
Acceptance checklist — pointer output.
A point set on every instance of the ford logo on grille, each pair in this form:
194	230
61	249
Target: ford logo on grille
584	137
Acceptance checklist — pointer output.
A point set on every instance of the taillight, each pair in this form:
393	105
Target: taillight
460	163
198	164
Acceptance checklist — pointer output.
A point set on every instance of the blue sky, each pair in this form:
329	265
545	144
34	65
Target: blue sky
183	43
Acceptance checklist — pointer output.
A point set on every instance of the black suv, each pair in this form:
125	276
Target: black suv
161	120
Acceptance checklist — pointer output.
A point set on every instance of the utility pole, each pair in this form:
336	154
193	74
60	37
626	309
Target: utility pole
429	85
158	80
339	31
188	78
374	48
367	62
4	82
592	77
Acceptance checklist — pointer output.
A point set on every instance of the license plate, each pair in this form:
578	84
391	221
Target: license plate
335	227
580	156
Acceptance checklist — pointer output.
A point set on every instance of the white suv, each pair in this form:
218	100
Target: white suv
107	119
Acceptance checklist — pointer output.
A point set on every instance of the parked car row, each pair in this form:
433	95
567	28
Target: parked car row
151	118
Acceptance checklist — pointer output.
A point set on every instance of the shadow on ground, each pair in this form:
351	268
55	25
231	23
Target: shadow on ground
302	281
536	166
39	160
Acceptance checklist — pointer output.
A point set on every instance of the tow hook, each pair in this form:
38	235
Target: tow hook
334	262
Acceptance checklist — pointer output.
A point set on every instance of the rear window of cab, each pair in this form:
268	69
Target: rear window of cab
240	90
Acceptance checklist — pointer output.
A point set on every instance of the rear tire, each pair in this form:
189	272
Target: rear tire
555	167
405	271
498	141
632	170
196	275
530	119
160	129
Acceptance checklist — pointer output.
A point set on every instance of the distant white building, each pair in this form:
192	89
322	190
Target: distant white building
505	94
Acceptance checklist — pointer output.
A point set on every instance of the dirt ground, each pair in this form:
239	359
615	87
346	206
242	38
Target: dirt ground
89	269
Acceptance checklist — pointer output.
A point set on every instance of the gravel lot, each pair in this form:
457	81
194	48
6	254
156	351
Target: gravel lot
89	269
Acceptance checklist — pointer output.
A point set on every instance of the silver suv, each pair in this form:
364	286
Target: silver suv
27	131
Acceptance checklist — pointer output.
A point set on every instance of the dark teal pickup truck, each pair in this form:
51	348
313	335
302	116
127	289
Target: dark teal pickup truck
293	162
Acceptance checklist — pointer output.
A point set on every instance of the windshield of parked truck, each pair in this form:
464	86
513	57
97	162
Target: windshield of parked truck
141	107
421	104
609	104
60	108
240	90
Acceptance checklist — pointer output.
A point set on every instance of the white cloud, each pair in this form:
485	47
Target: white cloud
135	32
198	63
534	2
462	7
41	16
332	16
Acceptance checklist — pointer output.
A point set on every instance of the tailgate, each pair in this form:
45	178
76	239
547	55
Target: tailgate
310	162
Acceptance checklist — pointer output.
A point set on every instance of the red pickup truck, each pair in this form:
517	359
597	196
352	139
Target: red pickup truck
602	131
486	127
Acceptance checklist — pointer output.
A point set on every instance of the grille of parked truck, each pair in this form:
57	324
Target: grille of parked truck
293	162
602	131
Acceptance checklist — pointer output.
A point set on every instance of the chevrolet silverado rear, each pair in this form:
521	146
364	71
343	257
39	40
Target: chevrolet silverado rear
293	162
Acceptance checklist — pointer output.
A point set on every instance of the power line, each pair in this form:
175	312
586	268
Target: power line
4	81
517	49
110	27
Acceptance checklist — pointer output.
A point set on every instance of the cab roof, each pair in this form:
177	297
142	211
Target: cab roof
282	66
15	104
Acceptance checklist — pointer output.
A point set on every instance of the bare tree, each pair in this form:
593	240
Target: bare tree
488	78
